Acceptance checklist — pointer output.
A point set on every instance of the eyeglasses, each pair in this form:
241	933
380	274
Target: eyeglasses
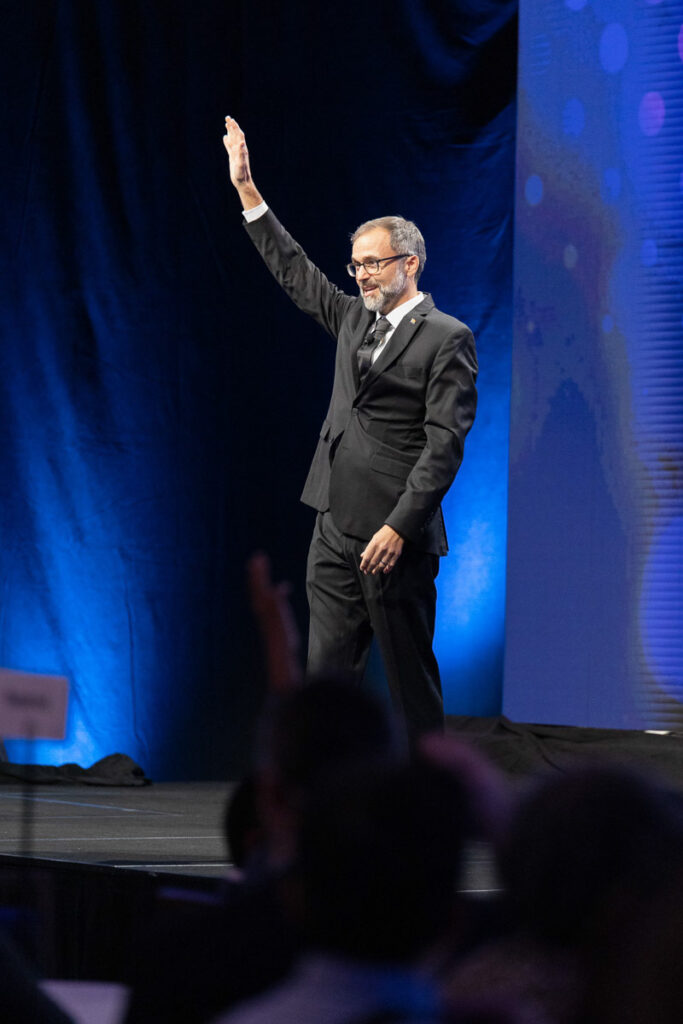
373	266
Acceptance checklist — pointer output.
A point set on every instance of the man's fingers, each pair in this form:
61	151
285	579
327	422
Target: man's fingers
233	129
381	553
372	564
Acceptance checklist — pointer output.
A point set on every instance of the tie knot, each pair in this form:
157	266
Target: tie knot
376	333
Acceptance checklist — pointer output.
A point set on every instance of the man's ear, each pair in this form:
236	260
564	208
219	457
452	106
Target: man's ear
413	262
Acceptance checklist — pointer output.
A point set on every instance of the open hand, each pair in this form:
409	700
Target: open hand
273	611
236	148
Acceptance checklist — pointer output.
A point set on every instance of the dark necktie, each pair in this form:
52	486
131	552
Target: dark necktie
373	339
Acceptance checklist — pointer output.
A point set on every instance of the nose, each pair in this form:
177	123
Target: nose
361	273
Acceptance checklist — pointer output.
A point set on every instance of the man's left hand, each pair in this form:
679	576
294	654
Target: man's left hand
382	553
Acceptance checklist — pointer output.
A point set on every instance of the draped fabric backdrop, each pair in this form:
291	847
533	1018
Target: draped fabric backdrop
159	398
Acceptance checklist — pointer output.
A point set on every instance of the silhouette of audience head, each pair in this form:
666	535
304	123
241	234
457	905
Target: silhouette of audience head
586	849
491	797
305	734
322	725
380	853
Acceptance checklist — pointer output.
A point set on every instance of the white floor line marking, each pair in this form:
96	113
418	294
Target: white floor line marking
81	803
110	839
492	889
169	864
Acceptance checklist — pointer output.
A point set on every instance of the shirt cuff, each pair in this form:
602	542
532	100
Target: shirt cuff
255	212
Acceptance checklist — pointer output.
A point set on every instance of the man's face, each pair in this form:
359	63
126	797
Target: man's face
390	286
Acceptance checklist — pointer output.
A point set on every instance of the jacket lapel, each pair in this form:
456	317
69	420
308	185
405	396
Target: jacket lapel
398	342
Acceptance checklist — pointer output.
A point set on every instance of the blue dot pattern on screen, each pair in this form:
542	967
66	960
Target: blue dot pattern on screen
652	113
601	146
613	48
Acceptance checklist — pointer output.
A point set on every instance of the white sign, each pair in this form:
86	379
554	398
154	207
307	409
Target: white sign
32	706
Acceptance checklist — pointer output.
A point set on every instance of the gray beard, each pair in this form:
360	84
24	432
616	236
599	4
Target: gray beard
385	293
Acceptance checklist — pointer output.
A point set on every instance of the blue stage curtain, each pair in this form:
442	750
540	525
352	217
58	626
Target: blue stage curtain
159	400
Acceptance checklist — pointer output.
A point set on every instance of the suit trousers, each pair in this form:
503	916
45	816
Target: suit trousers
347	608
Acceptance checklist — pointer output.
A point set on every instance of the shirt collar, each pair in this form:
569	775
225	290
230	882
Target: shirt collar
397	314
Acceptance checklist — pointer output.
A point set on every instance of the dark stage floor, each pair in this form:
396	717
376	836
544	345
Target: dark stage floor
176	828
171	828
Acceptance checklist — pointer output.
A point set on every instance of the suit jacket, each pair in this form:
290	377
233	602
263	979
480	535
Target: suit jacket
389	448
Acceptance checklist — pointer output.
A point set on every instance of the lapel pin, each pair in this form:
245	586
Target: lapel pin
413	320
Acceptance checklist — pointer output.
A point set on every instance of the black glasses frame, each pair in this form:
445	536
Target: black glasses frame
353	268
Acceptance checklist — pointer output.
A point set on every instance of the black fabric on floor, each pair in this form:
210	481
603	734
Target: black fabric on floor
523	749
113	770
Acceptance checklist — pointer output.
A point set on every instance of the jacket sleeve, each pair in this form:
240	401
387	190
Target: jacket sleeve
450	406
305	284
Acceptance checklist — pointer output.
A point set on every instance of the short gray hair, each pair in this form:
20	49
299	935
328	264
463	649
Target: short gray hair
404	236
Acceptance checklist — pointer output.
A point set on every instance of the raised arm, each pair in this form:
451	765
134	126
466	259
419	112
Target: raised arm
240	170
305	284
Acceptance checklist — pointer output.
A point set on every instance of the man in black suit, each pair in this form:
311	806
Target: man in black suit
402	403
